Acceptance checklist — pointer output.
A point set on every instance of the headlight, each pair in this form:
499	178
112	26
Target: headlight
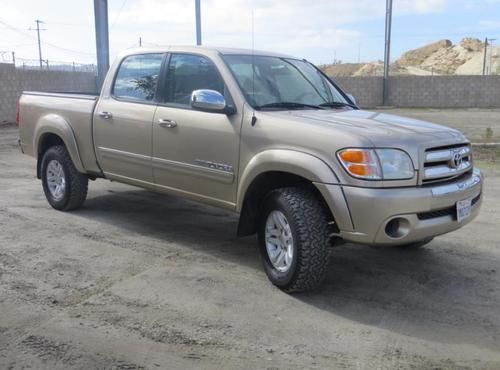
396	164
377	164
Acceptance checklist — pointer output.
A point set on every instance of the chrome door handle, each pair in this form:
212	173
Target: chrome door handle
167	123
105	115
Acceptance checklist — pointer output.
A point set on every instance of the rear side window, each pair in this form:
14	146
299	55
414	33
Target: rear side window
137	77
187	73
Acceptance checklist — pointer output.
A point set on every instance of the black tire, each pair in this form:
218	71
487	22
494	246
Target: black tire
76	184
308	221
415	245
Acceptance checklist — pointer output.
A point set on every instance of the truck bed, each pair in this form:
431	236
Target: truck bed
72	109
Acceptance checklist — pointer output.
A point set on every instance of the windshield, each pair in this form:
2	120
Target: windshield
282	82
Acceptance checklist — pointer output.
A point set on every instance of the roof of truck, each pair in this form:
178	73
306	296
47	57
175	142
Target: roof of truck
220	50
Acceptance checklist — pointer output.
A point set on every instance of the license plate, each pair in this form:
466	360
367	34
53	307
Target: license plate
464	208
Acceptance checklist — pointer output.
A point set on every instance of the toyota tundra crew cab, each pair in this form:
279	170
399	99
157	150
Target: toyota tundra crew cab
265	135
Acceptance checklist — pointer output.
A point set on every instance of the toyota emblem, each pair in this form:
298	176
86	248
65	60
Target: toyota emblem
456	159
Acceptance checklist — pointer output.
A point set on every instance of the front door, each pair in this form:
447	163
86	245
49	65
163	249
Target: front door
195	153
123	121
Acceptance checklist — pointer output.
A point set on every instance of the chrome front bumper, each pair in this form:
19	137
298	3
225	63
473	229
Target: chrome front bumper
428	211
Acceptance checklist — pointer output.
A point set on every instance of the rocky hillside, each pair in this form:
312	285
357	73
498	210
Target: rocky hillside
438	58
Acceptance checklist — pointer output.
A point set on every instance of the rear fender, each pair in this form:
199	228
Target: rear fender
57	125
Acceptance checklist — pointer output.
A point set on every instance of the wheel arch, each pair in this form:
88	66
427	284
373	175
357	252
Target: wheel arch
275	169
54	130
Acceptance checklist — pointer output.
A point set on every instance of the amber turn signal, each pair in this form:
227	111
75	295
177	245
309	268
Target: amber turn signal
354	156
361	163
360	170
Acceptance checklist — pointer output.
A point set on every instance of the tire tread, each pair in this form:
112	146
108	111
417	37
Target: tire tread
313	231
77	182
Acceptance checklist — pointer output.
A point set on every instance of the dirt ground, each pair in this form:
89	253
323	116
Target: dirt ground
136	280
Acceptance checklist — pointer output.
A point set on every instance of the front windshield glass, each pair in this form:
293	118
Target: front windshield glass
281	81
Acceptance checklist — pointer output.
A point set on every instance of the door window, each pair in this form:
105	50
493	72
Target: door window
137	77
187	73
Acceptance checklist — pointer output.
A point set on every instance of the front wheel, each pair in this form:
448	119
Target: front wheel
294	239
65	188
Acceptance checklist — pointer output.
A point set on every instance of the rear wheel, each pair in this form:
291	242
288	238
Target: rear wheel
65	188
294	239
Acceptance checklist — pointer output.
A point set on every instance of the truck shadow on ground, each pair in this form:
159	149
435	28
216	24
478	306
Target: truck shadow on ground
441	292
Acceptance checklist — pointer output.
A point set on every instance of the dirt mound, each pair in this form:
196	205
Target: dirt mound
472	44
342	69
371	69
418	56
437	58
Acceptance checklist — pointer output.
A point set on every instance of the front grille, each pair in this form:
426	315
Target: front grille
449	211
446	163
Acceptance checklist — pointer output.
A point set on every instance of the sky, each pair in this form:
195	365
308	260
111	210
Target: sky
318	30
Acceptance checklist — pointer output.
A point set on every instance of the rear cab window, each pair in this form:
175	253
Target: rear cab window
137	77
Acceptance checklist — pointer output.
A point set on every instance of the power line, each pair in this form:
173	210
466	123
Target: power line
46	43
16	29
117	16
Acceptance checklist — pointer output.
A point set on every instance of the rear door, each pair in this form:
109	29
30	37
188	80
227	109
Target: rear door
197	154
123	120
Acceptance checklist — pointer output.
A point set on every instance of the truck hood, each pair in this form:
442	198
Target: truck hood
327	131
323	133
379	128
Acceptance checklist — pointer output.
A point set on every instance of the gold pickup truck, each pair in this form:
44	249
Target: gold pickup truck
266	135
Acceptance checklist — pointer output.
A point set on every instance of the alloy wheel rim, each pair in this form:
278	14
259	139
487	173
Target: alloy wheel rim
56	180
279	241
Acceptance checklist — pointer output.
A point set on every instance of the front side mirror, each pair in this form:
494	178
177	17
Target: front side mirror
208	100
352	98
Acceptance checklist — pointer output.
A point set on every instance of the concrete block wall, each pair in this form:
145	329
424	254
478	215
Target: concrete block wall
367	90
425	91
404	91
445	91
13	81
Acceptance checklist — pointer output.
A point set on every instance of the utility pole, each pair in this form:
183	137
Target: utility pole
491	53
102	39
14	58
484	58
387	54
198	22
486	40
38	29
140	42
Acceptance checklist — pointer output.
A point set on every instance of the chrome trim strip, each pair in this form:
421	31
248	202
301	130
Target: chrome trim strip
458	186
445	155
437	172
193	170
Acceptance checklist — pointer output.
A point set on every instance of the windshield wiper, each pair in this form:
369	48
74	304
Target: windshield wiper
290	105
337	104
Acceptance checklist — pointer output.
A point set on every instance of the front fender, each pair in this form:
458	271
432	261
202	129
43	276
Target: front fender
55	124
294	162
